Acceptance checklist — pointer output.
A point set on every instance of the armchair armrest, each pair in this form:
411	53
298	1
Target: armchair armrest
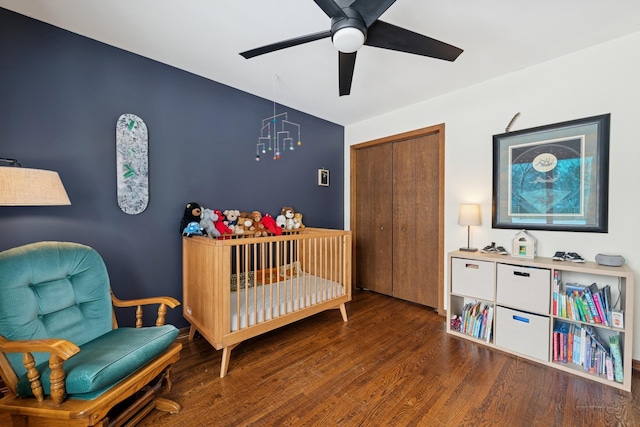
59	350
162	302
62	348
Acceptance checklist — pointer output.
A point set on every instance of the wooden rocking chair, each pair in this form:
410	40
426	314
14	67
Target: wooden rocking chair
63	358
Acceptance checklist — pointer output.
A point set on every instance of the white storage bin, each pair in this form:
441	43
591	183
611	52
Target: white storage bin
473	278
527	288
522	332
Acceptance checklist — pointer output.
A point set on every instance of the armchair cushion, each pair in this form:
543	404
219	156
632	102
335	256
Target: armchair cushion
53	289
106	360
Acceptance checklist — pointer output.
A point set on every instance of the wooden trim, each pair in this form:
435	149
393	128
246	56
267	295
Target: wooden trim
635	365
440	128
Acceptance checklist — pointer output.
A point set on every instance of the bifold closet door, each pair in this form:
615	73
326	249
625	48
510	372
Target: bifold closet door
374	234
417	180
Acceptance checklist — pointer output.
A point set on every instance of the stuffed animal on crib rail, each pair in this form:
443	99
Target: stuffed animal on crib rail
193	229
270	225
231	218
244	223
192	212
257	227
220	225
297	221
287	212
207	221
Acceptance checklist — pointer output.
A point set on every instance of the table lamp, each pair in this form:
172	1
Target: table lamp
469	215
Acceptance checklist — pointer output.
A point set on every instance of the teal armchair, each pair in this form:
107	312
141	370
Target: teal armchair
63	357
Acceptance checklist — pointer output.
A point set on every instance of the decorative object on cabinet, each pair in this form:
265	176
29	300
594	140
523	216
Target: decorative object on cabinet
524	245
541	310
612	260
30	187
469	215
553	177
132	164
274	140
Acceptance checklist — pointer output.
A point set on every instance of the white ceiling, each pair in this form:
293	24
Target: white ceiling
205	37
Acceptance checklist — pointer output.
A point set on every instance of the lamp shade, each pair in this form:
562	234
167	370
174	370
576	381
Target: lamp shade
31	187
469	215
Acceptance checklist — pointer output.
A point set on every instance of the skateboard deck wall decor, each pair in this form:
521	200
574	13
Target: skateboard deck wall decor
132	164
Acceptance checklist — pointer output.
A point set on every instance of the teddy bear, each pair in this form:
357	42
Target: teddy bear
270	225
281	221
297	221
220	225
288	214
244	223
256	226
208	217
191	214
231	218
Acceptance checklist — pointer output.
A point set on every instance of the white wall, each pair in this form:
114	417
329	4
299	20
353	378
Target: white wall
603	79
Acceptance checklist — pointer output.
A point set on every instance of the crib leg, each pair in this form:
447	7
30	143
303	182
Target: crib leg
343	311
226	355
192	332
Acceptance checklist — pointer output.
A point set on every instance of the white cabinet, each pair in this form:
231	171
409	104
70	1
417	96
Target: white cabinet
533	309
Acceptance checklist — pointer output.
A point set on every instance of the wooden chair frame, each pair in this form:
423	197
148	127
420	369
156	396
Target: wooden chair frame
57	411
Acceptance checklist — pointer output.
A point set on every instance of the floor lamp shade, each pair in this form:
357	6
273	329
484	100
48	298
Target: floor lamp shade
469	215
31	187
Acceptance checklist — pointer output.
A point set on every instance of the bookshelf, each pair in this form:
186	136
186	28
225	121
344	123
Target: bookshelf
534	308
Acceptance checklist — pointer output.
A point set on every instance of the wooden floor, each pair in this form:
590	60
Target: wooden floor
392	364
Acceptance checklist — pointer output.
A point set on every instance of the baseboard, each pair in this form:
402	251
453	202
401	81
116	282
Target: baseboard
635	365
183	332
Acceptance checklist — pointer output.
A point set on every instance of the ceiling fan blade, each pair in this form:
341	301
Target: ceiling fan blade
370	10
285	44
388	36
331	8
346	64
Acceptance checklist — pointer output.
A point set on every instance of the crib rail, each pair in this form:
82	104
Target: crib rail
234	289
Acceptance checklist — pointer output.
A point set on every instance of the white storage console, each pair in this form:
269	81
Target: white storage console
562	314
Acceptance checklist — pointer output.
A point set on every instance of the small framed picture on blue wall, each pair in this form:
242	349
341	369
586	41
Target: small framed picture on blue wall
323	177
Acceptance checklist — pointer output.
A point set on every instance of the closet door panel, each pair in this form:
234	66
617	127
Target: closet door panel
416	189
374	234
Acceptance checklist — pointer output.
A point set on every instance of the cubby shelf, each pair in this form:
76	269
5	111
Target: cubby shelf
520	293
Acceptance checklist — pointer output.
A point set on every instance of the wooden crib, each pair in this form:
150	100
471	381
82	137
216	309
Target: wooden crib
236	289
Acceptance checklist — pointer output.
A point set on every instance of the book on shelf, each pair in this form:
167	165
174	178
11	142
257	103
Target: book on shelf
597	351
477	320
588	304
556	291
599	302
489	323
592	305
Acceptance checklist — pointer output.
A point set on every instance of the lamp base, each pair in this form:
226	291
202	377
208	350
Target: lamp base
469	249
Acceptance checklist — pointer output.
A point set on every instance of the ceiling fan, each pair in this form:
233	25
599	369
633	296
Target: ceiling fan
355	23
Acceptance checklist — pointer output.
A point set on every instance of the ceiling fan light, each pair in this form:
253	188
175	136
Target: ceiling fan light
348	39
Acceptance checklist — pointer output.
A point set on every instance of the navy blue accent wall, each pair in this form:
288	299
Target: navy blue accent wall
60	97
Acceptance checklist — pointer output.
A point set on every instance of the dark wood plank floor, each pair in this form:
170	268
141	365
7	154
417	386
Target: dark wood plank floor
392	364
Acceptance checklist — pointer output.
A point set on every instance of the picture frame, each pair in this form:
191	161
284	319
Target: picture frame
553	177
323	177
